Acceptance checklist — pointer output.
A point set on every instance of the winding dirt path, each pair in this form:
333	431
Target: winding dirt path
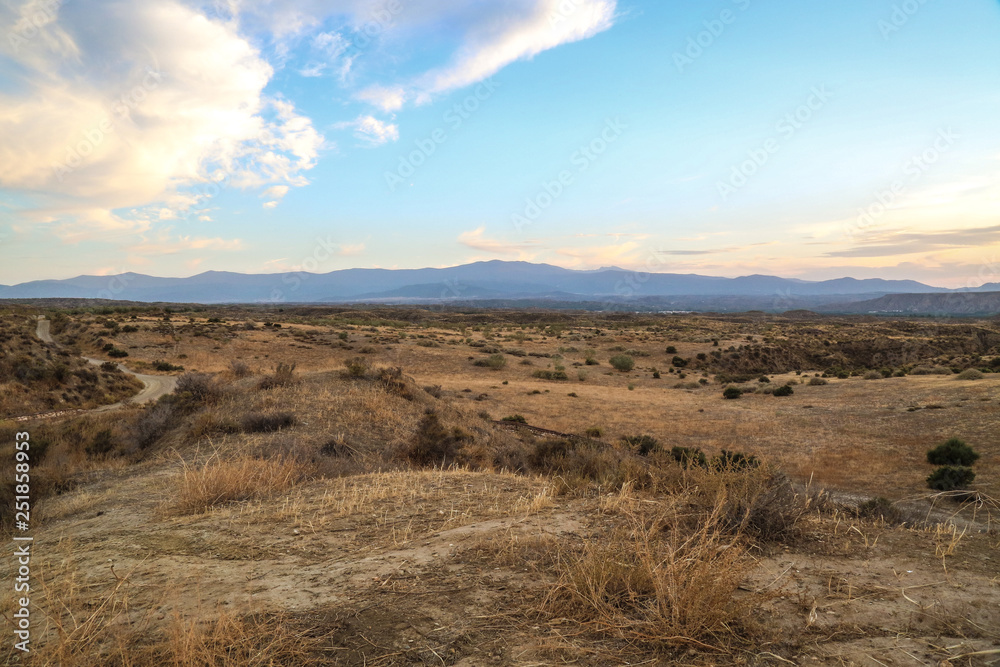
155	385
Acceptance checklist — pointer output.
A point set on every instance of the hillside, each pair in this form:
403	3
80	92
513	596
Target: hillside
955	303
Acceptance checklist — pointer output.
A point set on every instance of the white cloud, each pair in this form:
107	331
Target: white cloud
371	130
387	99
476	239
351	250
126	105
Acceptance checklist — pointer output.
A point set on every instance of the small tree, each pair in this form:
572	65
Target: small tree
952	452
622	362
784	390
950	478
732	393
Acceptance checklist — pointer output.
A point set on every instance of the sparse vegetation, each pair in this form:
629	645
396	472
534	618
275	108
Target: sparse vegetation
622	363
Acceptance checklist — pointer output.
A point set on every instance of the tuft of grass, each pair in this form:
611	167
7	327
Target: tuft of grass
219	482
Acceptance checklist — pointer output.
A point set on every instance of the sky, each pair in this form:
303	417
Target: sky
800	138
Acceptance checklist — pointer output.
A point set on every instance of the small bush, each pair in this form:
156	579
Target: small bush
517	419
102	444
434	444
817	382
239	368
734	461
109	367
593	432
356	367
873	375
166	366
117	353
671	349
950	478
198	388
644	445
678	362
970	374
550	375
952	452
732	393
266	422
784	390
689	456
622	362
494	362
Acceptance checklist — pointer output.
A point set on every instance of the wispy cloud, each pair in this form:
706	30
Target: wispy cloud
477	240
899	242
371	130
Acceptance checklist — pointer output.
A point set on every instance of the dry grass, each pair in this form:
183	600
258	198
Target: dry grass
655	580
218	482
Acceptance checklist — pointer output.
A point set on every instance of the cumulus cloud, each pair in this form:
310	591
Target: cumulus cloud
119	105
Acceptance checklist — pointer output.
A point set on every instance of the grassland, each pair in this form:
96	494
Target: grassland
338	486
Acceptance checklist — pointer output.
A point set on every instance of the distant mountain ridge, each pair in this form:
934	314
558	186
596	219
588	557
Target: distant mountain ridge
480	280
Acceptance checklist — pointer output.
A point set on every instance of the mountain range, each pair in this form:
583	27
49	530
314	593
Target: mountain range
489	281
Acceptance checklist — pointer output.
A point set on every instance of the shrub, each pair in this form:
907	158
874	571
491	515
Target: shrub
817	382
970	374
689	456
734	461
671	349
679	362
952	452
198	387
239	368
873	375
732	393
117	353
550	375
151	425
950	478
784	390
517	419
356	367
593	432
109	367
266	422
644	445
493	362
102	444
166	366
434	444
622	362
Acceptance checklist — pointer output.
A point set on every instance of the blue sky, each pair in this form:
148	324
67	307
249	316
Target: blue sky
803	139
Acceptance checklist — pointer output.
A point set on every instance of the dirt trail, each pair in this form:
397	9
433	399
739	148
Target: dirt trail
155	385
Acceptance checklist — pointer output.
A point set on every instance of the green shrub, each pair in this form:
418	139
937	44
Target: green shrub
970	374
689	456
734	461
784	390
817	382
493	362
117	353
166	366
622	362
679	362
671	349
550	375
950	478
593	432
517	419
732	393
952	452
356	367
644	445
434	444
